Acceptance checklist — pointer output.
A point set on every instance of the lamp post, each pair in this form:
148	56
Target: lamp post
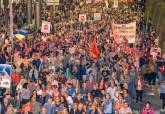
29	11
38	13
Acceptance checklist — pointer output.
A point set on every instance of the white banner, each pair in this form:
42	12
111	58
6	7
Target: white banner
124	31
45	27
82	17
5	76
97	16
52	2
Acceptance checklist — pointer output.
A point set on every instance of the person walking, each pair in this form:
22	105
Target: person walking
162	94
139	89
148	109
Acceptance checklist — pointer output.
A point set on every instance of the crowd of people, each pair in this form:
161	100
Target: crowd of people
55	74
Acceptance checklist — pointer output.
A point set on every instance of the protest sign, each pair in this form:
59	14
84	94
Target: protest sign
97	16
45	27
82	18
5	76
124	31
154	51
115	3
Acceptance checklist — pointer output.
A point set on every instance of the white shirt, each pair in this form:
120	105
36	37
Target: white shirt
69	100
112	91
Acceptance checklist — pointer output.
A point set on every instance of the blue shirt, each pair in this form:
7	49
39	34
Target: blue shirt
50	108
108	106
71	91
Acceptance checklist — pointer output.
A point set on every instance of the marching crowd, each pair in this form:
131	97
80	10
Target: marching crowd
55	74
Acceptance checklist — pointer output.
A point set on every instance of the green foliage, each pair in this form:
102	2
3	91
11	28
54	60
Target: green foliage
156	11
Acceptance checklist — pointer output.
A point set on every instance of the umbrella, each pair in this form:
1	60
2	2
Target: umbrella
23	32
19	36
16	32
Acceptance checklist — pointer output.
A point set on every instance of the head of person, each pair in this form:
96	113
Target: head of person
93	107
125	104
57	100
10	109
125	92
65	111
95	86
75	106
66	94
139	77
25	85
50	100
120	98
80	105
69	85
107	96
43	110
33	98
148	105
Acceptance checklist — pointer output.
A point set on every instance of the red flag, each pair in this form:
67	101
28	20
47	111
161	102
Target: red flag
94	50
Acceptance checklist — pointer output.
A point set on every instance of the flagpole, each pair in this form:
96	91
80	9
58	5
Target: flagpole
11	26
11	34
11	18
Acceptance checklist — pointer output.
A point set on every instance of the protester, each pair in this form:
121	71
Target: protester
139	89
125	109
162	94
79	67
147	109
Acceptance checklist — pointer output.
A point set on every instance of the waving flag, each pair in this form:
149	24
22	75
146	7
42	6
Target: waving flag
94	50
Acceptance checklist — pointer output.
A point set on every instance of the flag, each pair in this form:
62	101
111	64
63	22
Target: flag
93	49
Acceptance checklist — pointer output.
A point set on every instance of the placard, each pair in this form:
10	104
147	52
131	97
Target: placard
45	27
124	31
97	16
82	18
115	4
5	76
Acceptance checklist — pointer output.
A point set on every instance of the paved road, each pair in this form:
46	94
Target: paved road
150	94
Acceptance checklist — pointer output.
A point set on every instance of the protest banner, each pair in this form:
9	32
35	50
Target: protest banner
45	27
5	76
124	31
82	18
97	16
52	2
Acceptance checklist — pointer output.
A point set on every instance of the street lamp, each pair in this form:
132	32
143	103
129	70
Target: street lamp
29	11
38	13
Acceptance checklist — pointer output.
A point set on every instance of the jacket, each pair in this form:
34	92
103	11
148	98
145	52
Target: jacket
142	85
151	111
35	74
